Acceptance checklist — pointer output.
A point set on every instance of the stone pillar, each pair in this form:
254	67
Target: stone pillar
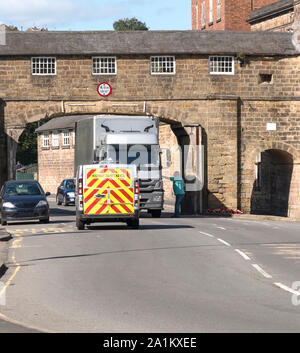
190	140
13	135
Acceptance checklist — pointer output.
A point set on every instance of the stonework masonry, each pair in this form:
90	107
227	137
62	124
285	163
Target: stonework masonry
233	112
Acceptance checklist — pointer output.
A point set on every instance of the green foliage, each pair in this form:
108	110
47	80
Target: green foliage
130	24
27	147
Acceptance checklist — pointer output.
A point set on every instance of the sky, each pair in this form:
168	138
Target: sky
95	14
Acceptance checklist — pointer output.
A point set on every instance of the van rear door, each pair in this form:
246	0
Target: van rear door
108	190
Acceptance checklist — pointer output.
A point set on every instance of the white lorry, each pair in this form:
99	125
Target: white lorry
125	140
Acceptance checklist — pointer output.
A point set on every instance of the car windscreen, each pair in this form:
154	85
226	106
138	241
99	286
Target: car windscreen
70	184
22	189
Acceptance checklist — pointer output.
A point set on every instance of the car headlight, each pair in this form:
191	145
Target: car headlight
8	205
41	203
71	194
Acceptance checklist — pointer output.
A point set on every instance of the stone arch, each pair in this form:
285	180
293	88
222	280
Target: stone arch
277	153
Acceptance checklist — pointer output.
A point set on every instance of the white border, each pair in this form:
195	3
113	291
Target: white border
105	57
163	73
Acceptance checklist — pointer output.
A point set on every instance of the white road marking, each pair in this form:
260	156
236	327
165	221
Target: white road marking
223	241
287	289
246	257
221	228
261	271
209	235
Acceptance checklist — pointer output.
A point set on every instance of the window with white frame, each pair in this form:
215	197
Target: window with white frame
55	139
66	138
74	138
161	65
104	65
221	65
43	66
46	141
211	19
203	15
219	10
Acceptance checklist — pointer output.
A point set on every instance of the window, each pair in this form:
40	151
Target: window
66	138
221	65
46	142
162	65
203	16
55	139
105	66
219	11
43	66
211	19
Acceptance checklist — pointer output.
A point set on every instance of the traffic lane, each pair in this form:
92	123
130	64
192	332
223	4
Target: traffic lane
273	245
8	327
116	279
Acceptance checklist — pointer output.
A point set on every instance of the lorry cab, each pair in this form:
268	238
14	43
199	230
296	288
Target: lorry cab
107	193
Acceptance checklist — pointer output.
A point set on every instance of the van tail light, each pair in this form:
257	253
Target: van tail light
136	187
136	193
80	186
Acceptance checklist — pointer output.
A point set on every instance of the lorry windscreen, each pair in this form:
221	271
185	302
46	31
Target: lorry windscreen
143	156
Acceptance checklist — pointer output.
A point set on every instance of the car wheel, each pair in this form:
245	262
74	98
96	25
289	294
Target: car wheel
44	220
57	200
3	222
65	201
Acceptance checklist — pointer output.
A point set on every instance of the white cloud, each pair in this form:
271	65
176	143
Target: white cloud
60	12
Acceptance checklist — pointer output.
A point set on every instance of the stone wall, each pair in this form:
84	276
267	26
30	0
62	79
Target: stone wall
283	23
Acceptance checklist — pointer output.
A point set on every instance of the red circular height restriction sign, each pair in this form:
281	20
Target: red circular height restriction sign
104	89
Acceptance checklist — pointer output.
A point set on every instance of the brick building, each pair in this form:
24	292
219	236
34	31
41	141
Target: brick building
279	16
56	144
235	14
245	113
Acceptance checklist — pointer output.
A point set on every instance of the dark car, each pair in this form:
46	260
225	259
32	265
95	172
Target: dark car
66	192
23	200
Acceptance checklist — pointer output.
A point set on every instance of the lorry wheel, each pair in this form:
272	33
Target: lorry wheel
79	224
133	223
156	213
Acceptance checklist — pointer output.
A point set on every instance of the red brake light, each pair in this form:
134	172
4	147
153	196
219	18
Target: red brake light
80	187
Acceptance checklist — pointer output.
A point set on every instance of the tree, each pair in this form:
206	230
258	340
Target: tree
11	28
130	24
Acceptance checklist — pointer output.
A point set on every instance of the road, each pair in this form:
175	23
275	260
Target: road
172	275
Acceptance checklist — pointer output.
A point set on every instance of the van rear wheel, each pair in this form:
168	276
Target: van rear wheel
133	223
80	224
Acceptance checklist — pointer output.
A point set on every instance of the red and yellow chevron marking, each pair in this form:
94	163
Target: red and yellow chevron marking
94	205
121	209
108	178
121	196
